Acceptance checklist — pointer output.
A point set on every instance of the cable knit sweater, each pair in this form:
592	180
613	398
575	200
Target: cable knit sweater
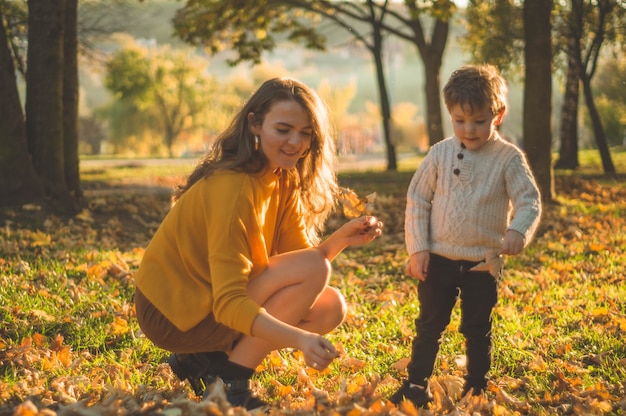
464	216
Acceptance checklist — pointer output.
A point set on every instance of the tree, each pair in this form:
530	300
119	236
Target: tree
412	29
44	95
50	81
19	183
215	23
165	86
603	12
196	23
581	28
572	29
538	93
611	98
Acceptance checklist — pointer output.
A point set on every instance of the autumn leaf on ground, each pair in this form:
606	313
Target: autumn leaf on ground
40	239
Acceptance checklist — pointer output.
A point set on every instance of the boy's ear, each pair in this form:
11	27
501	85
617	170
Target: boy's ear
500	116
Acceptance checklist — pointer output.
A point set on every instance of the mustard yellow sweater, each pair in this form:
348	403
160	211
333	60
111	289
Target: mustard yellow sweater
217	237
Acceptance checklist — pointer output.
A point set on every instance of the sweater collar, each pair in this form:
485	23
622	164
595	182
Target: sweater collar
489	143
270	176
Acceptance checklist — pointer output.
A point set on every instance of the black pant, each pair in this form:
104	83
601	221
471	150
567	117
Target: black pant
446	280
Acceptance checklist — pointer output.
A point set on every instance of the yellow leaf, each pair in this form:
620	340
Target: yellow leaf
401	364
355	411
84	215
26	409
353	206
538	364
353	363
40	239
261	34
597	312
597	247
119	326
39	340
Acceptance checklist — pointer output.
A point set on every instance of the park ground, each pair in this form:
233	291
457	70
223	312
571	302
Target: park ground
70	345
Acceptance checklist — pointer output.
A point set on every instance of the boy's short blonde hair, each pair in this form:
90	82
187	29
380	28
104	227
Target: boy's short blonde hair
475	86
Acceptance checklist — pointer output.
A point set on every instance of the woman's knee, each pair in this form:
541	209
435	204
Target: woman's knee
317	269
330	310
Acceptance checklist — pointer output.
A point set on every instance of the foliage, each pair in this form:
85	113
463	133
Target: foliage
164	86
247	27
69	343
495	33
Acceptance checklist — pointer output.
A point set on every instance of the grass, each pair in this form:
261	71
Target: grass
69	334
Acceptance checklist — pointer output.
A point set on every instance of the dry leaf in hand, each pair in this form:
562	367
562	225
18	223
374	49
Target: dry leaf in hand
353	206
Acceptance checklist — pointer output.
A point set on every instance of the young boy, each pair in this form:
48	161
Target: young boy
471	200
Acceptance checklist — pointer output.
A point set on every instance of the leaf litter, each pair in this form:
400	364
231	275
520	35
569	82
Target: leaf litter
43	373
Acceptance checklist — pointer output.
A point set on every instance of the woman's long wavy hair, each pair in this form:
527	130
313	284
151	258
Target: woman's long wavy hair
314	176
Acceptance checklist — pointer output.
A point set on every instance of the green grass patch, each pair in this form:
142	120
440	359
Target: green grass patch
69	331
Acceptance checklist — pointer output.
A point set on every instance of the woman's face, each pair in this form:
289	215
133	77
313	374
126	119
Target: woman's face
285	134
475	128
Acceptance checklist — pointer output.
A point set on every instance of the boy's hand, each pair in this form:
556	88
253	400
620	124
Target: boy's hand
418	265
512	243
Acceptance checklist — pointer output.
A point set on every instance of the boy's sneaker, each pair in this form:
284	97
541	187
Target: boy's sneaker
418	395
199	369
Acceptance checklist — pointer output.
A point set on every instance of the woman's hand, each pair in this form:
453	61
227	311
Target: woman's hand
357	231
318	351
361	230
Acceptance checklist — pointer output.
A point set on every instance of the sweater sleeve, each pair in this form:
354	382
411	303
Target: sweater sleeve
234	239
419	204
524	196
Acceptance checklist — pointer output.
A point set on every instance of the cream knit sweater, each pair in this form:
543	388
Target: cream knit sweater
465	215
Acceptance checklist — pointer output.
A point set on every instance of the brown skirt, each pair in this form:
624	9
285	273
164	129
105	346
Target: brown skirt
207	336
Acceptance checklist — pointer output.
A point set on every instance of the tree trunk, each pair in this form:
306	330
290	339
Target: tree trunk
44	97
538	93
432	59
431	55
70	99
433	101
568	153
587	69
385	106
19	183
598	129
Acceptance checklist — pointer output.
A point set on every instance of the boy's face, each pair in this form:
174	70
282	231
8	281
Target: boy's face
475	128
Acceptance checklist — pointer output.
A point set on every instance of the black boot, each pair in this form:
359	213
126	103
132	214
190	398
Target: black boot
417	394
239	393
237	386
474	386
199	369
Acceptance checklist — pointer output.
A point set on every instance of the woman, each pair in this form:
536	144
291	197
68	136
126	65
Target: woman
237	268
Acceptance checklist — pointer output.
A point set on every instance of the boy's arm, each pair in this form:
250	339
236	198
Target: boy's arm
418	206
525	199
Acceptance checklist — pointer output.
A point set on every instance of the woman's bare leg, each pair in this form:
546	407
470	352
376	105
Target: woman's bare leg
294	290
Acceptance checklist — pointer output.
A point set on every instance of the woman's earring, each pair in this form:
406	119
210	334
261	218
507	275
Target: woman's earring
256	143
306	152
